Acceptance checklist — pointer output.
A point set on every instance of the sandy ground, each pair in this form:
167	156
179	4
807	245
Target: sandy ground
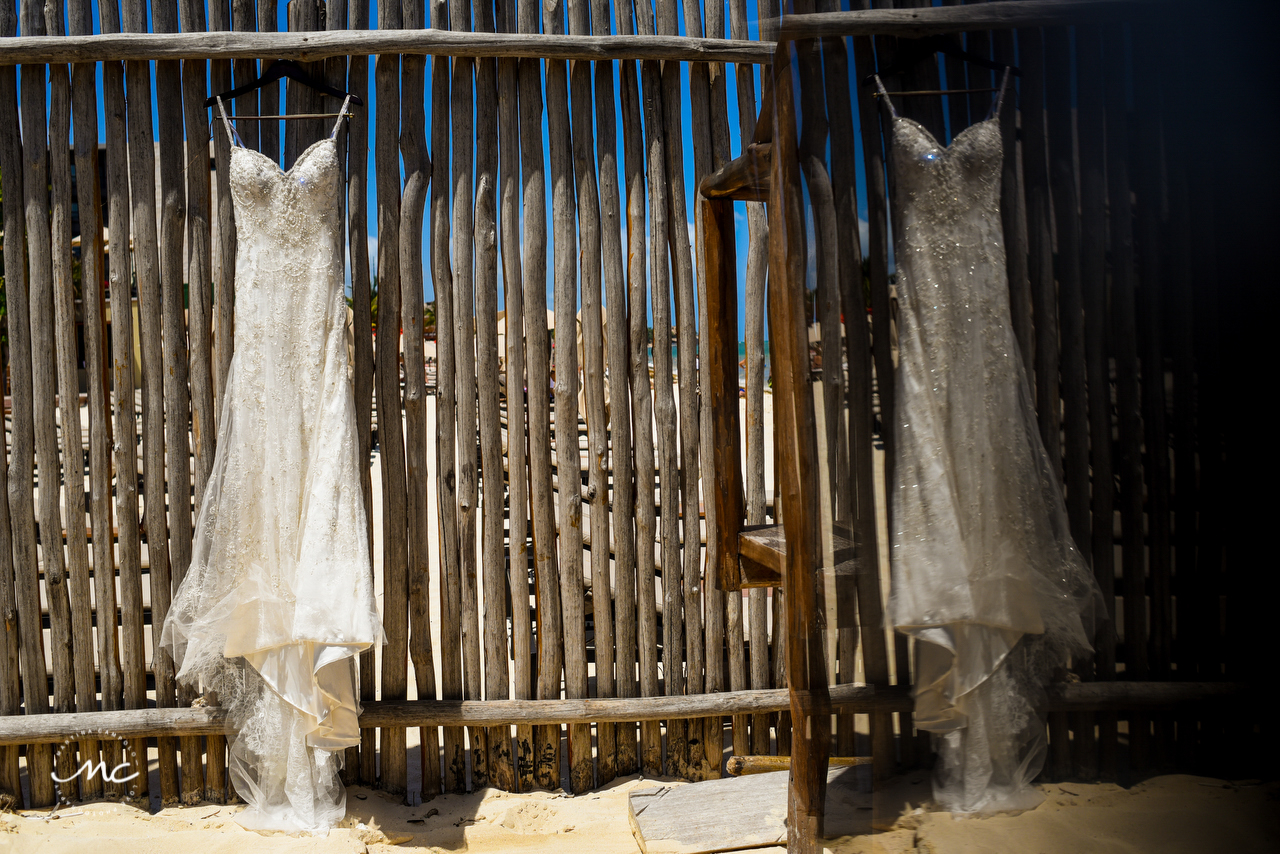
1164	815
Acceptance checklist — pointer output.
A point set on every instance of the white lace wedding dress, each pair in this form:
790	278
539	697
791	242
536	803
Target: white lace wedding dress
279	597
985	575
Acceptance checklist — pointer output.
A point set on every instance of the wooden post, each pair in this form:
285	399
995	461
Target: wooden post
618	456
517	432
1091	128
568	465
361	766
496	670
464	341
1128	403
418	173
793	405
635	153
224	294
21	501
875	652
454	762
66	349
395	616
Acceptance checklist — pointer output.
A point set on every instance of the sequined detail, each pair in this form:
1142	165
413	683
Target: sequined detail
985	575
279	596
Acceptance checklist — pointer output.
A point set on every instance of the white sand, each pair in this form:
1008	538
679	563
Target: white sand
1165	815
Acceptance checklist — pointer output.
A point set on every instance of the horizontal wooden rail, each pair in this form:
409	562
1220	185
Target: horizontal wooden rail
311	46
936	20
134	723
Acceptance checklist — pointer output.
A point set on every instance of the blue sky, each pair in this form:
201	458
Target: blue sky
442	169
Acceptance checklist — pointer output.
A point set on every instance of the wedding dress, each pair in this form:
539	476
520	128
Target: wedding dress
279	596
985	576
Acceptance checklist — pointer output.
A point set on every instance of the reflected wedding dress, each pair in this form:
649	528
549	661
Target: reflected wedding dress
986	577
279	597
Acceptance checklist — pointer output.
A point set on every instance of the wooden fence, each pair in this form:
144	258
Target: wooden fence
591	565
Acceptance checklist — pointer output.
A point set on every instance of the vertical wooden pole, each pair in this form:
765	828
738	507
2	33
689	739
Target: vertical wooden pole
361	766
269	95
568	463
1153	288
1066	212
517	432
21	500
68	397
462	100
618	455
146	254
793	405
1128	402
1091	128
244	19
875	653
635	153
592	241
35	165
590	378
757	254
224	265
496	669
395	607
418	173
455	762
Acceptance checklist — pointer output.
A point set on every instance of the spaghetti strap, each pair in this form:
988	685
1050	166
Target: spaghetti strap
232	134
341	115
885	96
1004	85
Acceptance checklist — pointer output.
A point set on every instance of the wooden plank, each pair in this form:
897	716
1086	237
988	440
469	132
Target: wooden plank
915	22
517	451
1091	129
19	499
593	357
356	143
646	625
417	172
395	582
205	720
623	640
496	668
565	276
312	46
66	350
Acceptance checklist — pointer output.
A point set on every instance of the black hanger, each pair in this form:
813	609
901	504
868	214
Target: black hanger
911	51
283	68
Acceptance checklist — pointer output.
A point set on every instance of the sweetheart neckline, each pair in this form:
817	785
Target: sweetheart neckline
289	171
945	148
